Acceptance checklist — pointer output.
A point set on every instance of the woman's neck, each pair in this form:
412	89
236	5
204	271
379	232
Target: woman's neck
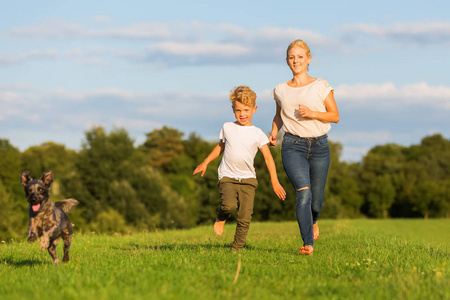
300	80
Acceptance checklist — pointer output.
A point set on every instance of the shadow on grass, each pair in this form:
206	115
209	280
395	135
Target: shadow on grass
190	247
20	263
173	246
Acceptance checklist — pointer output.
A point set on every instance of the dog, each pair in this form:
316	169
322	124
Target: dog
47	220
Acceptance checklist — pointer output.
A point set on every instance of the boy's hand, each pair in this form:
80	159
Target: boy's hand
279	190
200	168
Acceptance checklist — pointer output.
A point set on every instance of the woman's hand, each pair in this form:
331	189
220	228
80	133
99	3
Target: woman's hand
305	112
331	114
277	123
272	140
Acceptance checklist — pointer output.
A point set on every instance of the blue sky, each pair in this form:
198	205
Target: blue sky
67	66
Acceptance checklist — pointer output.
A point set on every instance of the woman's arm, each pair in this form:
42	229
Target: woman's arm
276	126
331	115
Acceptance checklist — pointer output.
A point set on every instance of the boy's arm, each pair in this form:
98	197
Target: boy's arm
212	156
277	188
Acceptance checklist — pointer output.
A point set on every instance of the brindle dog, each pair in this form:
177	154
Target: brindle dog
47	220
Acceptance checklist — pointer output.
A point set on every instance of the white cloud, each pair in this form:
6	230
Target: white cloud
420	33
138	31
111	93
136	124
107	93
67	114
63	29
89	52
390	94
9	96
29	55
355	137
173	43
102	19
109	106
290	34
201	48
190	43
50	29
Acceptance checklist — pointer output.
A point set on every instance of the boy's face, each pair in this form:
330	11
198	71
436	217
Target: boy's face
243	113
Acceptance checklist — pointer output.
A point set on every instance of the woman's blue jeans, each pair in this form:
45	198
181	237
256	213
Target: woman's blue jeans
306	162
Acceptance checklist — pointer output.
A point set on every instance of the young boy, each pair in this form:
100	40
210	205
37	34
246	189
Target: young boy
239	142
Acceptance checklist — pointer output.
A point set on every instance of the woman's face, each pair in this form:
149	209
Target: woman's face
298	60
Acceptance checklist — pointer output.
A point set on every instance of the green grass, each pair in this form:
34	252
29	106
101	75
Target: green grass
353	259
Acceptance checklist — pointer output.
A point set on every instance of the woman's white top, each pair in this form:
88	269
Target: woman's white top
313	96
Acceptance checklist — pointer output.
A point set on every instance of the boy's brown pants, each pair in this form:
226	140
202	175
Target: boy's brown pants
240	195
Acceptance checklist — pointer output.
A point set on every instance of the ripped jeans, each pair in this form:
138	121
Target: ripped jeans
306	162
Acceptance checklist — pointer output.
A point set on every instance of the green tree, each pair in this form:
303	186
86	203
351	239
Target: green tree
435	156
382	178
443	200
342	197
103	159
426	177
162	145
381	196
48	156
12	216
10	169
51	156
110	221
204	197
165	207
113	176
13	205
424	195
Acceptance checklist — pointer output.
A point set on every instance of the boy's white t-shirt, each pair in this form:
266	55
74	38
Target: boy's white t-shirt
241	145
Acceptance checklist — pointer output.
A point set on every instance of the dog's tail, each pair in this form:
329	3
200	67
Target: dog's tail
67	204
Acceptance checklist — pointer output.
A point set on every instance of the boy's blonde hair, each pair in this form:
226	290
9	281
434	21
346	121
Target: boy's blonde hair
243	94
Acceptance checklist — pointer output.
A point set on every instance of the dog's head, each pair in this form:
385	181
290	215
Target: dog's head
36	190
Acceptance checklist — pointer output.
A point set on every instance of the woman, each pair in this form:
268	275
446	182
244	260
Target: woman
305	107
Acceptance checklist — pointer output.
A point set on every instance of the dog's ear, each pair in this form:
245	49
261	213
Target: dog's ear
25	178
47	178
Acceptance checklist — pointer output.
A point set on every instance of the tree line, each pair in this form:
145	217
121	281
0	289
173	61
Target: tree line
123	188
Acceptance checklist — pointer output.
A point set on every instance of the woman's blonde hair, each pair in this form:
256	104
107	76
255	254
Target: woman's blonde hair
301	44
243	94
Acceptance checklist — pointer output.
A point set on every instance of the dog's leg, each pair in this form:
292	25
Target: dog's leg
67	241
52	251
45	243
45	238
32	235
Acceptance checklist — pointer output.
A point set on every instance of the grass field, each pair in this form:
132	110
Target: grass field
353	259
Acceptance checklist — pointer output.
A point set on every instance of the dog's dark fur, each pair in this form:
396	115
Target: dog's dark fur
47	220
